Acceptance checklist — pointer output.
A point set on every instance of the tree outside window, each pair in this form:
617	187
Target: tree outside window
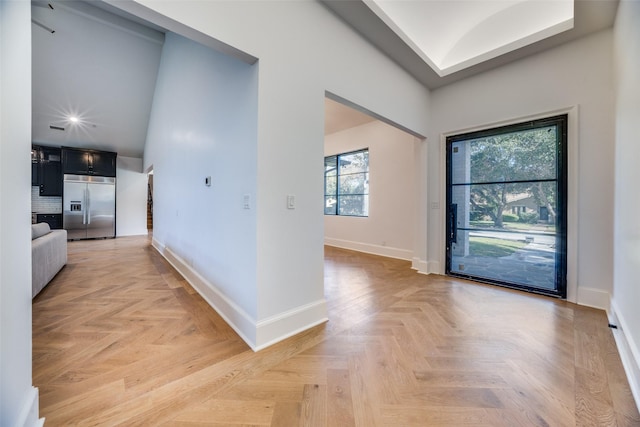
346	184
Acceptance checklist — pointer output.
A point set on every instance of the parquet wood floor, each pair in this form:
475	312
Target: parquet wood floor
119	338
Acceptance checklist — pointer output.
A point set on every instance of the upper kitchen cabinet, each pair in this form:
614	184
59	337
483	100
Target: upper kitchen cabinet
35	164
88	162
103	163
46	170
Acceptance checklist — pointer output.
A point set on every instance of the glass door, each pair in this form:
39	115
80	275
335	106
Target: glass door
506	206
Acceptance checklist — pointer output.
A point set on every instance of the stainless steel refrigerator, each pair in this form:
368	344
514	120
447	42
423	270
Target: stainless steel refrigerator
89	206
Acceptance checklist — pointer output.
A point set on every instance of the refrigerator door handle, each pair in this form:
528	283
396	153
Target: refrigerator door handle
84	207
88	205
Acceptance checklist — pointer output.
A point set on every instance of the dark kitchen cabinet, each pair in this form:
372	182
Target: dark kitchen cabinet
50	179
88	162
75	161
104	163
35	164
46	170
54	220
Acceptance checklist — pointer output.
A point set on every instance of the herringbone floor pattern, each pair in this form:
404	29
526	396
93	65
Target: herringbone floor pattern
119	338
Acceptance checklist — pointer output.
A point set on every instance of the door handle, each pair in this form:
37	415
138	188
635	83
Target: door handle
84	207
454	223
88	205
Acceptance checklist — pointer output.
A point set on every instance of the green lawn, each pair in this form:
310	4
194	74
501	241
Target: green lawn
494	248
515	226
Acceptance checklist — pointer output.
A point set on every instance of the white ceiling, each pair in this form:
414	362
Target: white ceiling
453	35
338	117
450	21
102	67
95	66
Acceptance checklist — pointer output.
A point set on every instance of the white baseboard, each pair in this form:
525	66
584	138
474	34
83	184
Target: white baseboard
257	335
420	265
279	327
434	267
236	317
137	232
157	245
628	350
426	267
29	414
368	248
595	298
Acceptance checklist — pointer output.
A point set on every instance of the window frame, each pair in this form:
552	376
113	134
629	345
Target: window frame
337	193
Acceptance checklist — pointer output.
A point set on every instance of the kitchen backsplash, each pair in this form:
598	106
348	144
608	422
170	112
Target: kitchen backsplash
45	204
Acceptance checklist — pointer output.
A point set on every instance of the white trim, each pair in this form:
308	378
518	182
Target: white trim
573	219
88	11
29	414
420	265
628	350
257	334
434	267
426	267
279	327
596	298
236	317
368	248
442	244
353	105
169	24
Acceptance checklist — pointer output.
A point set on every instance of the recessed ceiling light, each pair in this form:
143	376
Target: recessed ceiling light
74	119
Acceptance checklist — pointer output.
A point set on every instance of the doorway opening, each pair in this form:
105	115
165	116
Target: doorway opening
370	181
507	206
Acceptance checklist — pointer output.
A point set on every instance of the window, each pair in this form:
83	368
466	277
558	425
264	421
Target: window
346	184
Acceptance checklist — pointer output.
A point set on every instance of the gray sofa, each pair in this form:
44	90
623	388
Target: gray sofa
48	255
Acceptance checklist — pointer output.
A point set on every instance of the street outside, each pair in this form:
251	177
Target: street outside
531	265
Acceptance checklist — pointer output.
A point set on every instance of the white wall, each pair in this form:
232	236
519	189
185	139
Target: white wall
131	197
18	399
303	51
388	230
626	289
203	123
578	75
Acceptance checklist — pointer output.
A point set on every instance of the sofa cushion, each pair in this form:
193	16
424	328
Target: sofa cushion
48	256
39	229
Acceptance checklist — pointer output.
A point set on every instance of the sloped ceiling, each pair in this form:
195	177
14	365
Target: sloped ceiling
97	67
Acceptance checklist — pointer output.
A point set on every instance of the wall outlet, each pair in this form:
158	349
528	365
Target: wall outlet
246	201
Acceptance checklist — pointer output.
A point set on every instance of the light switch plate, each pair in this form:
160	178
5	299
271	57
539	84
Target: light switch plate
291	201
246	201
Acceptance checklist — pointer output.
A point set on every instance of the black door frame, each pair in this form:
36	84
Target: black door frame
562	181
